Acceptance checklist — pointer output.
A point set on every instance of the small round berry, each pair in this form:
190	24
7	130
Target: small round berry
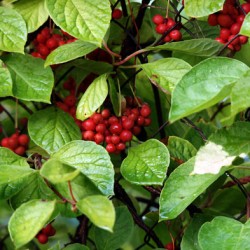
235	28
120	146
116	14
36	54
110	148
115	128
62	106
41	39
97	118
243	39
49	230
212	20
13	143
106	113
23	140
246	7
42	238
140	120
235	41
230	46
167	39
161	28
115	139
43	50
136	130
5	142
126	135
127	123
70	100
170	23
224	33
145	110
220	40
108	139
225	20
89	125
158	19
88	135
147	122
237	47
100	128
169	246
175	35
99	138
240	19
46	32
52	43
113	120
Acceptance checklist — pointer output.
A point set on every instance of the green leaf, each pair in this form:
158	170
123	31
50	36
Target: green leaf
181	189
69	52
147	163
115	97
200	8
166	73
100	210
225	234
123	228
6	81
56	171
245	26
34	13
205	85
92	160
92	98
224	145
28	220
31	81
180	149
13	32
197	47
76	246
52	128
82	19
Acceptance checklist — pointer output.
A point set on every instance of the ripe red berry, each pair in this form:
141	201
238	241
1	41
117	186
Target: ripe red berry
175	35
120	146
13	143
145	110
49	230
43	50
140	120
240	19
170	23
62	106
42	238
225	20
127	123
161	28
212	20
41	39
52	43
89	125
113	119
20	150
115	128
115	139
5	142
224	34
105	113
88	135
126	135
97	118
46	32
136	130
158	19
100	128
220	40
36	54
235	41
23	140
243	39
110	148
116	14
167	39
235	28
246	7
99	138
169	246
70	100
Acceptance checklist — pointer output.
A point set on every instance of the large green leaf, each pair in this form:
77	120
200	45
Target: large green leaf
56	171
224	146
197	47
147	163
181	189
52	128
204	85
69	52
76	246
245	26
92	160
200	8
99	210
28	220
6	81
122	230
225	234
166	73
31	81
13	32
87	20
92	98
33	12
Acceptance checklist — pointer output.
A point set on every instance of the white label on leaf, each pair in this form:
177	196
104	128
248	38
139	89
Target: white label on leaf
211	158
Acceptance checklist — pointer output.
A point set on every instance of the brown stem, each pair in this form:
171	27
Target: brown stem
81	234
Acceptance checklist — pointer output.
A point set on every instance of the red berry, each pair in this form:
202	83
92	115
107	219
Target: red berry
170	23
167	39
235	41
120	146
116	14
52	43
70	100
235	28
113	120
161	28
140	120
126	135
225	20
237	47
41	39
145	110
46	32
88	135
13	143
100	128
99	138
220	40
42	238
246	7
43	50
49	230
97	118
243	39
115	139
136	130
127	123
240	19
62	106
89	125
20	150
23	140
147	122
158	19
175	35
115	128
108	139
5	142
230	46
224	34
110	148
36	54
212	20
169	246
105	113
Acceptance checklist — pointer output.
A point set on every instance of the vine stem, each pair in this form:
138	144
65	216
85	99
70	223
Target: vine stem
109	50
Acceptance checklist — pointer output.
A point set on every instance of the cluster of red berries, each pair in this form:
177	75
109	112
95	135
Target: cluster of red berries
45	233
230	20
18	143
164	25
116	131
46	41
116	14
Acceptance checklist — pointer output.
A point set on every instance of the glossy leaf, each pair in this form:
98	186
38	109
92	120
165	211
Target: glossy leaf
122	230
100	210
31	81
181	189
69	52
28	220
6	81
34	13
180	149
56	171
166	73
245	26
197	47
92	98
200	8
13	32
205	85
82	19
92	160
146	164
225	234
52	128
